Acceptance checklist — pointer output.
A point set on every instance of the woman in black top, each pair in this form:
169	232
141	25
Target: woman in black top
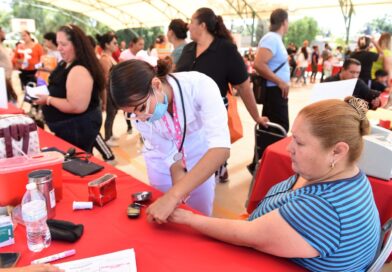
214	53
366	58
72	110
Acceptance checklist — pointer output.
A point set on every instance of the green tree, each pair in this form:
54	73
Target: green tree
381	24
149	34
302	29
347	8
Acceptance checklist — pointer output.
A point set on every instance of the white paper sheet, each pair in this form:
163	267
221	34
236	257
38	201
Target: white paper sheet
3	90
120	261
333	90
33	91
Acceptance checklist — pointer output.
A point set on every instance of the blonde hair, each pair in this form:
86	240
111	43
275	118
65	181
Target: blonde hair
333	121
385	40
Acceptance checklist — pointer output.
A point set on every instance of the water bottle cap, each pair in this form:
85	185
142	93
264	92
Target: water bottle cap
31	186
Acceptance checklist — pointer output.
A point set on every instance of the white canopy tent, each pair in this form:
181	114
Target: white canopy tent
120	14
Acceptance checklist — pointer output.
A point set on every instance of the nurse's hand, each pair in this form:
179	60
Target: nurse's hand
162	208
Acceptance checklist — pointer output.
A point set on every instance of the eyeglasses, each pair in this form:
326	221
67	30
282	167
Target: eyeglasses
141	116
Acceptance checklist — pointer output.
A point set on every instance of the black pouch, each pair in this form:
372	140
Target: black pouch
81	167
64	230
259	88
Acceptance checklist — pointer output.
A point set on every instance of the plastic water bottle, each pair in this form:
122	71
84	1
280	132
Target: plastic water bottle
34	215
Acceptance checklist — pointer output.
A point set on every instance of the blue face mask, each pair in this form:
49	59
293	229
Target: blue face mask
159	111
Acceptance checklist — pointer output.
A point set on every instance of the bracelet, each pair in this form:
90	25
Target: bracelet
48	100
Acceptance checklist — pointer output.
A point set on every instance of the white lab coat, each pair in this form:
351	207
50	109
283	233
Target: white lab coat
206	127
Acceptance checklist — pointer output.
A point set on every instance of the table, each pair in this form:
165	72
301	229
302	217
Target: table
168	247
49	140
275	167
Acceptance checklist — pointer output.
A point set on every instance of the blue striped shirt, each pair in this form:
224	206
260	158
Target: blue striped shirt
339	219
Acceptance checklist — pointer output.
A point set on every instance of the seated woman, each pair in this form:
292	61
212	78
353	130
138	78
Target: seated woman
324	217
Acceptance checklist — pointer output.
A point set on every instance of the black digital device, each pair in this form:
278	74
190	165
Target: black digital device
8	259
133	210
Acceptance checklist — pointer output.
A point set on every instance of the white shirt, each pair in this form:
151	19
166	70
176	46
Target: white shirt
5	61
206	124
141	55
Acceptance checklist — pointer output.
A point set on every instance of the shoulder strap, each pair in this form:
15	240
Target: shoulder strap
280	66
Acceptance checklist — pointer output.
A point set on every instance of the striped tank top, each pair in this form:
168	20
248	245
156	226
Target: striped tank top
339	219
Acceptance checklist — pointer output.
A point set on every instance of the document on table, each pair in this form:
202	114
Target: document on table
333	90
119	261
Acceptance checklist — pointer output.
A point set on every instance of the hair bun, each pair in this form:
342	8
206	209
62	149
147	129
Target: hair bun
359	105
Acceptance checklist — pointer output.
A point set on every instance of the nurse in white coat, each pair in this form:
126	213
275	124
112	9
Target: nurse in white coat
183	123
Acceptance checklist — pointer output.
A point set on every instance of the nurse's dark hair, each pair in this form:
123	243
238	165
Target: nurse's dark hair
214	23
130	81
333	121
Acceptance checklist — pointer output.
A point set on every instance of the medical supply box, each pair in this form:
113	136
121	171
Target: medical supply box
14	175
376	159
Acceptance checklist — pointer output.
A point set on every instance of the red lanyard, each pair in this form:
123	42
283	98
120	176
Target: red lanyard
178	134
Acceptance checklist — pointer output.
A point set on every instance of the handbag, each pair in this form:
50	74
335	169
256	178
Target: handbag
260	85
234	121
18	136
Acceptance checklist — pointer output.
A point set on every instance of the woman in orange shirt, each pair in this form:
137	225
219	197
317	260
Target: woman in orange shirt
27	57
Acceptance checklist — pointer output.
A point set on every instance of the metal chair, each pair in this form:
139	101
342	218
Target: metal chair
384	248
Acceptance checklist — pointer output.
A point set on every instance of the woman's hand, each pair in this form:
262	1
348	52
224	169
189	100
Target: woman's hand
263	121
41	100
162	208
180	216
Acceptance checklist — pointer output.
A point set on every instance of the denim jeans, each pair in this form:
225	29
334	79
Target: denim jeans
81	130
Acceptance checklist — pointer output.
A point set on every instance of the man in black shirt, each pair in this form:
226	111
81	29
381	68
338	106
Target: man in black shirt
380	83
351	69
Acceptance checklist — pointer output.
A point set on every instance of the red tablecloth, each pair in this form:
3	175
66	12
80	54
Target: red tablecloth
158	247
49	140
167	247
275	167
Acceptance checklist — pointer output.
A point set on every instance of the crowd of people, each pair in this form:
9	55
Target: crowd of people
175	95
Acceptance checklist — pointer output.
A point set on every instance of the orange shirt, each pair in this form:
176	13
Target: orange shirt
31	55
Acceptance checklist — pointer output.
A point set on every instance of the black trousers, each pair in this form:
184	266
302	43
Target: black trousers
276	107
277	110
27	76
103	148
81	131
111	111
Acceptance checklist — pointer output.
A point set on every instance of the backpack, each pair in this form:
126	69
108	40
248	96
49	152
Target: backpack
18	135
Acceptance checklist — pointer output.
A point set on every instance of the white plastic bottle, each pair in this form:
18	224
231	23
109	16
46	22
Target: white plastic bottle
34	215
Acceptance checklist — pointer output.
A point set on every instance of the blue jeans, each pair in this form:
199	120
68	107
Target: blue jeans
80	131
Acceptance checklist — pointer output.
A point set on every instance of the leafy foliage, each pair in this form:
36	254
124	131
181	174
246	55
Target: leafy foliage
300	30
381	24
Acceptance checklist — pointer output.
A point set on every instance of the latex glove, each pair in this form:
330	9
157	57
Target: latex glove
162	208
